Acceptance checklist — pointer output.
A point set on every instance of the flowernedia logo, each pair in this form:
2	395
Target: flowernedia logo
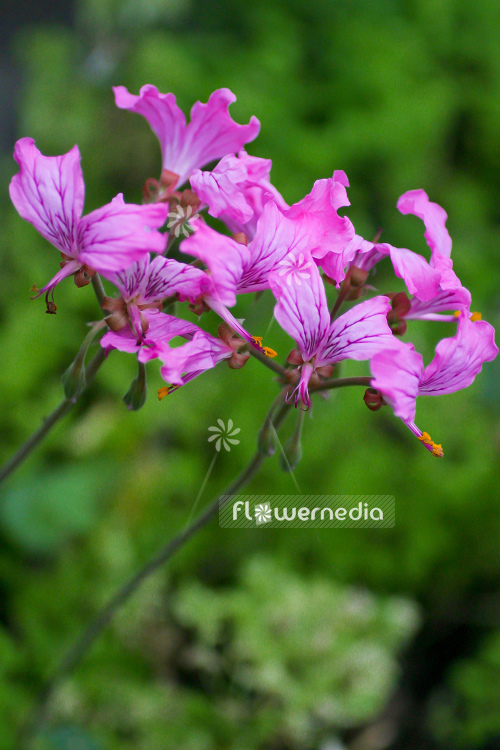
298	511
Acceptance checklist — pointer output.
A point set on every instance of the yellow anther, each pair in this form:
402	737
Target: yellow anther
475	316
270	352
456	314
265	349
425	438
162	392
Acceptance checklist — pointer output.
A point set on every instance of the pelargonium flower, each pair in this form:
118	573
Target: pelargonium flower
161	327
236	191
144	285
399	374
434	285
211	134
49	191
302	311
236	268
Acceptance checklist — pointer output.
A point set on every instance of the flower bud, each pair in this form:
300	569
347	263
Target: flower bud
291	453
73	379
137	393
266	439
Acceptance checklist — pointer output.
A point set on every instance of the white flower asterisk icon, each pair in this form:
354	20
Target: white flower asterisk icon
224	436
179	221
294	268
262	513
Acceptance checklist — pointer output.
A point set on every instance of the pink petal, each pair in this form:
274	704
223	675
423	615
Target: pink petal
302	309
211	134
331	235
459	359
396	374
225	259
162	328
191	359
420	278
276	236
434	217
359	333
113	237
168	276
49	191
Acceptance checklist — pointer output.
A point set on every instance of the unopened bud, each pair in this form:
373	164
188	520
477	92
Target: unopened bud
266	439
137	393
73	379
373	399
358	276
291	454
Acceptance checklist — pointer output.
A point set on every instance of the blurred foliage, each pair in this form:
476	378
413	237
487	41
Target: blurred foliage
400	95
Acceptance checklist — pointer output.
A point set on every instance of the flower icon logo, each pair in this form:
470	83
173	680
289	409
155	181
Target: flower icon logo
224	436
294	268
262	513
179	221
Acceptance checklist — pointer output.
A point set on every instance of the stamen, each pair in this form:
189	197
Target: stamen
431	446
264	349
166	390
269	352
475	316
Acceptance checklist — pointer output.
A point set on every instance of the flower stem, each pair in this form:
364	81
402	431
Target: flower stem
64	407
82	645
327	385
268	362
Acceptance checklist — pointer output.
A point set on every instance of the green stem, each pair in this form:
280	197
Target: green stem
268	362
327	385
60	411
97	625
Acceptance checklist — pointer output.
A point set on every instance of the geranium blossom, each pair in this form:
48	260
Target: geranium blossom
144	285
399	374
211	134
303	313
49	192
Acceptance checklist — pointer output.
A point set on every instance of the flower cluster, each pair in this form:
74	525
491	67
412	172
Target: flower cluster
270	245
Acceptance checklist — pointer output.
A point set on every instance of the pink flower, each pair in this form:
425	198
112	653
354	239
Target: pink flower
144	285
161	327
48	191
435	286
302	311
211	134
235	268
237	190
399	374
333	241
185	362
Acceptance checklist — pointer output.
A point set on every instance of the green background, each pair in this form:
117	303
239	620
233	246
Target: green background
289	639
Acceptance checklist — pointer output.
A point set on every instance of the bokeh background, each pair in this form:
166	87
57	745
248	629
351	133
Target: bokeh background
274	639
